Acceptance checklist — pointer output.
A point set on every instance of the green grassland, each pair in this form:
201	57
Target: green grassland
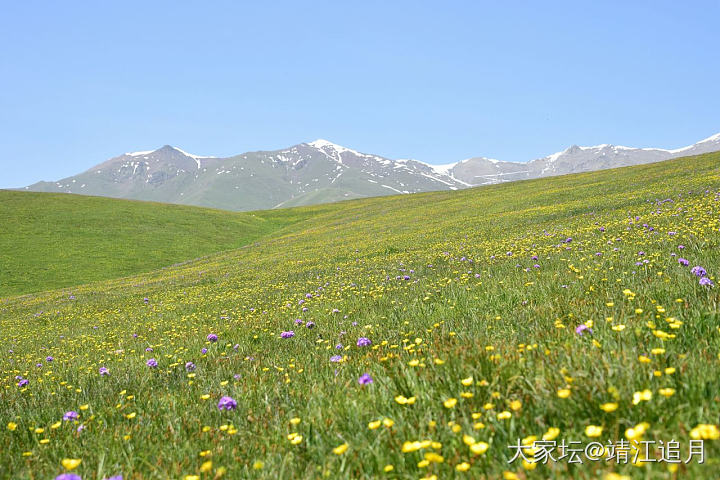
473	346
50	241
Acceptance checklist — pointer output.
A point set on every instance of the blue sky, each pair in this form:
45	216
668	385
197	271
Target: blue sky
438	81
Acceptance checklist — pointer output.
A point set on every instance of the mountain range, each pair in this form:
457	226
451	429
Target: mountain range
321	171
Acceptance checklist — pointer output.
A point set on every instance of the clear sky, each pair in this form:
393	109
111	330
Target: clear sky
81	82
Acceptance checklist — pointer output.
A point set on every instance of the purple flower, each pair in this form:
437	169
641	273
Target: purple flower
227	403
237	376
683	262
288	334
152	363
212	337
310	324
339	346
23	382
190	367
298	321
363	342
203	350
115	477
365	378
49	359
71	415
104	371
698	271
68	476
336	358
149	349
582	328
706	282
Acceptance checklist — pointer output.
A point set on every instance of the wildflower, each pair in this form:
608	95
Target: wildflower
258	465
71	463
374	424
12	426
478	448
667	392
190	367
582	328
683	262
698	271
227	403
644	396
340	449
365	379
388	468
705	431
71	415
104	371
288	334
609	407
462	467
336	358
563	392
450	402
402	400
310	325
706	282
68	476
212	337
364	342
152	363
593	430
467	381
23	382
551	434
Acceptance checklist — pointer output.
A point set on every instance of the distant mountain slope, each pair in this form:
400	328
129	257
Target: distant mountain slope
321	172
575	159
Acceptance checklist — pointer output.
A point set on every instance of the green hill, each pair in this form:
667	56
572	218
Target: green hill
558	309
51	240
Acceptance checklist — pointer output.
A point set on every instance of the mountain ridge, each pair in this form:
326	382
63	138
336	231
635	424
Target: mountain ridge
321	171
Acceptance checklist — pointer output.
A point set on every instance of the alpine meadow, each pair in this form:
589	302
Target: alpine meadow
413	336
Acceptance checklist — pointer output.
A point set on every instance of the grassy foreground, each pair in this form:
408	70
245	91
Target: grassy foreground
555	308
51	240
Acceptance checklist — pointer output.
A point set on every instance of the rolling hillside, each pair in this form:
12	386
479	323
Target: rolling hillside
54	240
404	337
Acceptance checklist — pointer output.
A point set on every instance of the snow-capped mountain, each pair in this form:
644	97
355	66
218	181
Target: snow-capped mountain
321	171
574	159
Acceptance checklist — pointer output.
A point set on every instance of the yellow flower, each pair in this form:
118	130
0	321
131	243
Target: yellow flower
705	431
504	415
340	449
388	468
515	405
609	407
258	465
618	328
467	381
434	457
510	476
616	476
402	400
551	433
563	392
294	421
593	430
450	402
12	426
204	396
462	467
643	396
130	416
388	422
56	425
206	466
192	477
71	463
84	407
478	448
667	392
468	440
374	424
636	432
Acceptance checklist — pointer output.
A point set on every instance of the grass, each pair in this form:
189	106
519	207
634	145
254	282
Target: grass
483	341
50	241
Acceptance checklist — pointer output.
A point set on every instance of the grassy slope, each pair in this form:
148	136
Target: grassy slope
53	240
466	311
